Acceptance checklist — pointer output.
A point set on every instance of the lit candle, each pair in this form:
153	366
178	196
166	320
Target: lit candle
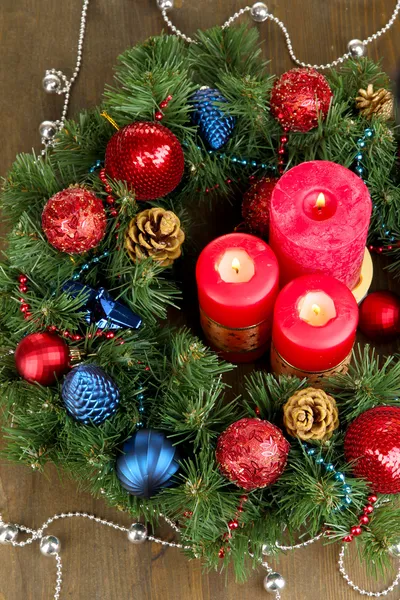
237	280
314	328
320	214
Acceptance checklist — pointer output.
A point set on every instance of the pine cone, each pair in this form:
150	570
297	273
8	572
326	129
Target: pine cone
379	103
155	233
311	414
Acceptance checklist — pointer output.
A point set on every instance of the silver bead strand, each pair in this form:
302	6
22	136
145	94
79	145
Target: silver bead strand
301	545
49	128
57	591
259	15
356	588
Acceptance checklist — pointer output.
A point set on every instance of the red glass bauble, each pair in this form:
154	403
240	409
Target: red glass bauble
74	220
380	316
373	442
148	157
256	206
42	358
252	453
299	97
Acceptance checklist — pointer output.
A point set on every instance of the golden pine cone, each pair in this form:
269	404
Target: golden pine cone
379	103
155	233
311	414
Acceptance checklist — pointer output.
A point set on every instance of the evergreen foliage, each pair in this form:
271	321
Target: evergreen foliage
182	380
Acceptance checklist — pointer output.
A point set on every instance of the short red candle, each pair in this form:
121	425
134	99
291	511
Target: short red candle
236	302
307	346
320	214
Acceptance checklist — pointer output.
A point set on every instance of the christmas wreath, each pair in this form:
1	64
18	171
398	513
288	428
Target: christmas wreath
96	380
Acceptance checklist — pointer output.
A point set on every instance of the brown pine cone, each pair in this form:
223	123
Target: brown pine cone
311	414
379	103
155	233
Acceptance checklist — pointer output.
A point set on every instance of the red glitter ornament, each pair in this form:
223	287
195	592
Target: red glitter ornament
380	316
373	442
42	358
256	205
299	97
148	156
252	453
74	220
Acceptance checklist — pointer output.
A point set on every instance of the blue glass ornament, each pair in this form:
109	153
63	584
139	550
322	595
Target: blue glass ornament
215	125
102	309
90	395
148	463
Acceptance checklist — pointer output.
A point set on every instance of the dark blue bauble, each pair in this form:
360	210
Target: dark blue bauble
102	309
215	125
90	395
148	463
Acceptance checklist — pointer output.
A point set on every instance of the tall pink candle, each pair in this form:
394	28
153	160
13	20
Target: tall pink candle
320	214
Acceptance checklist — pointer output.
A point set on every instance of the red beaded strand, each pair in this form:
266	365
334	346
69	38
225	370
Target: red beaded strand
159	115
282	151
363	520
110	198
233	524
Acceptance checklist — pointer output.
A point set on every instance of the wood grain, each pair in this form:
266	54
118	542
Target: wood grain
36	35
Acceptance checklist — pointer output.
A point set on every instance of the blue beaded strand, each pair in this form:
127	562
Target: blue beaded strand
140	398
338	475
86	266
360	169
96	166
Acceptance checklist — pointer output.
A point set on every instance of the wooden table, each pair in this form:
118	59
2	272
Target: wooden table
39	34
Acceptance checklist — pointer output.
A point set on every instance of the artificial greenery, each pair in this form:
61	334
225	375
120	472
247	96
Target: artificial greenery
182	380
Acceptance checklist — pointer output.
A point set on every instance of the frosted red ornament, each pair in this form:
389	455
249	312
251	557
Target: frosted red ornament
299	97
42	358
380	316
74	220
372	445
256	206
148	157
252	453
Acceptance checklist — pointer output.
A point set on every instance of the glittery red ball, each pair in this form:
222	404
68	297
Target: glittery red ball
42	358
299	97
380	316
252	453
373	442
256	206
148	157
74	220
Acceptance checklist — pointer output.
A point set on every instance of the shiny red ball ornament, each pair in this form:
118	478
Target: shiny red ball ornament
364	520
380	316
356	530
256	206
252	453
42	358
372	445
74	220
148	157
299	97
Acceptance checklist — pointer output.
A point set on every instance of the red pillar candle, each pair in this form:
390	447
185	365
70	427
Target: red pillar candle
237	280
320	214
314	328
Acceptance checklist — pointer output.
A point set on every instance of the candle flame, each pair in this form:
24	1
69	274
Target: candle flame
321	202
236	265
316	309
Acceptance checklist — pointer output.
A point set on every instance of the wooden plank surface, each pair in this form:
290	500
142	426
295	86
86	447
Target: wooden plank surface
39	34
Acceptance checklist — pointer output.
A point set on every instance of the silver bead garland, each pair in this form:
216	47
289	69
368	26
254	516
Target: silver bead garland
259	13
55	82
50	545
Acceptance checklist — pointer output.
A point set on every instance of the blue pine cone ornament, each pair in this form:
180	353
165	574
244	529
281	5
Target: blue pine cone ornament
215	125
90	395
147	464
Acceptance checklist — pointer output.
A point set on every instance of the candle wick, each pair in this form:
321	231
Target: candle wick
316	309
321	202
236	265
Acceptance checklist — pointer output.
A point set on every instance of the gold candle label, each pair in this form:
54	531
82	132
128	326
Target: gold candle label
241	339
280	366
